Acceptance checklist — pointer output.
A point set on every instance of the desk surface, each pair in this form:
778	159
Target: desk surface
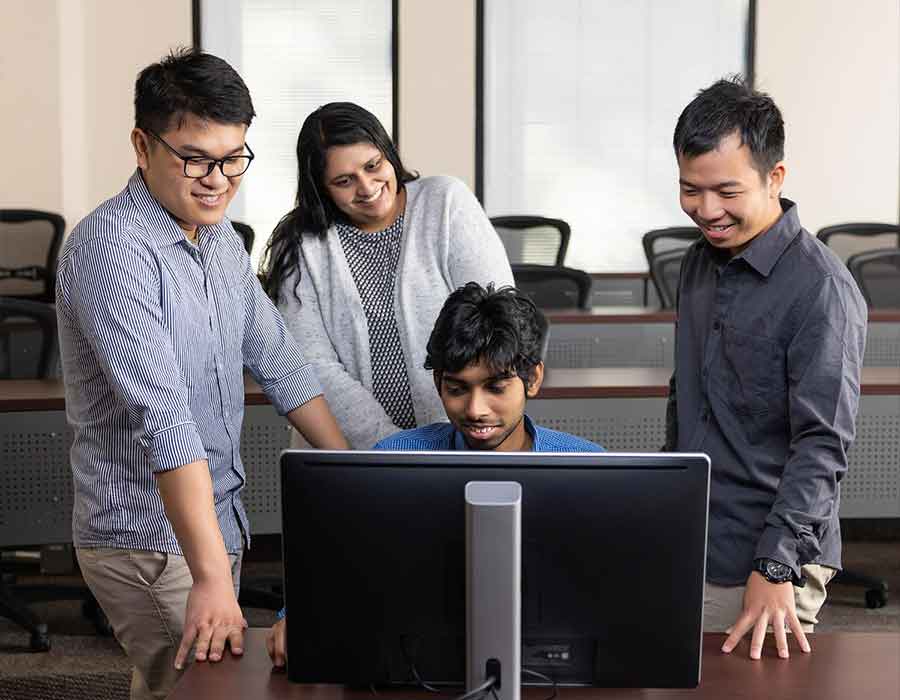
841	666
644	314
601	383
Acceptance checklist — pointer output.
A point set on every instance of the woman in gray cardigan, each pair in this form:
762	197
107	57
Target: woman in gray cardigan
362	265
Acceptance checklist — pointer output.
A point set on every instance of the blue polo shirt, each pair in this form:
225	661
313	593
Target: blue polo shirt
443	436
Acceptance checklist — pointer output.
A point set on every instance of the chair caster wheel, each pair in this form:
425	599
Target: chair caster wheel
93	612
40	640
876	598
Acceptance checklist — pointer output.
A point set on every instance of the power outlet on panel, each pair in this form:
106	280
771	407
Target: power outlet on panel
547	654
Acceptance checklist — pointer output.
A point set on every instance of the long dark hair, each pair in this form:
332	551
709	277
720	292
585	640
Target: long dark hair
334	124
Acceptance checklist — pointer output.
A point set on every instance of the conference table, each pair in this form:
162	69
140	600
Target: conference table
842	666
622	409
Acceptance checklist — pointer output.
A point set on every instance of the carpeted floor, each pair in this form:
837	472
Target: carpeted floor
82	665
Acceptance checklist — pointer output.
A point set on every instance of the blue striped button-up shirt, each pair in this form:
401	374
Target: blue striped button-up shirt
154	334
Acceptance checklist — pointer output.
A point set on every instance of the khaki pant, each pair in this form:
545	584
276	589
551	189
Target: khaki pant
723	604
144	595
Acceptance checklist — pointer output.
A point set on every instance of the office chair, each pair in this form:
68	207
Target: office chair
664	241
28	350
554	286
877	272
533	240
30	241
665	271
246	233
849	239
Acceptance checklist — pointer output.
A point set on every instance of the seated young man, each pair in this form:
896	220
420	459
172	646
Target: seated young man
485	352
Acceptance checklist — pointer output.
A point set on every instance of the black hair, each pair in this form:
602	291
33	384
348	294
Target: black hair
334	124
725	107
502	328
186	82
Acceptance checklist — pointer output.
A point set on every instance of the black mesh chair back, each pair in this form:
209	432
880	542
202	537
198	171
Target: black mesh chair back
848	239
28	342
533	240
667	242
246	233
554	286
665	273
877	272
29	241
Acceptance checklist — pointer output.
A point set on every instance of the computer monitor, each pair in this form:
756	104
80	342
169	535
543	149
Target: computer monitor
613	564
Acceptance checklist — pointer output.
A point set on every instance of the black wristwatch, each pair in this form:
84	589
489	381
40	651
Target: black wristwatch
774	571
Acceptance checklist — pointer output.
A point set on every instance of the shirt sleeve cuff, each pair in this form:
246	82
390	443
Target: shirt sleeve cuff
781	545
281	614
294	390
176	446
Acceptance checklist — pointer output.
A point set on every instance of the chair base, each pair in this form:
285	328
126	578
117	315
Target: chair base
876	594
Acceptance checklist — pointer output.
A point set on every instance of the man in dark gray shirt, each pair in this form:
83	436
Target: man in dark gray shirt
769	343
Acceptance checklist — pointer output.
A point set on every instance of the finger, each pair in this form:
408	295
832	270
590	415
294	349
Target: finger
797	629
187	639
781	635
759	635
737	632
201	647
217	643
236	640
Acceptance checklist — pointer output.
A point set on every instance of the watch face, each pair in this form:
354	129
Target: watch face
777	570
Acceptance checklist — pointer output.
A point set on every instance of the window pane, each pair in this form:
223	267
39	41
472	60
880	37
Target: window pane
296	55
581	99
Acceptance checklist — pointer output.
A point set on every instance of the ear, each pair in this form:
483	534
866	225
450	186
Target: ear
776	180
141	145
537	378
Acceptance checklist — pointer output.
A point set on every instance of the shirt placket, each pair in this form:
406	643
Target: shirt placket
205	258
726	291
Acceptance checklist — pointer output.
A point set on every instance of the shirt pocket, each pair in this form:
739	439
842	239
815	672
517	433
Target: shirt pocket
754	381
191	342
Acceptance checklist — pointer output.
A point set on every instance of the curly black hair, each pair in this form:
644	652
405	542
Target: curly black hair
502	327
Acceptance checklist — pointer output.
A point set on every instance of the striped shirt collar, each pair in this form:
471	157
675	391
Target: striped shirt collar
164	229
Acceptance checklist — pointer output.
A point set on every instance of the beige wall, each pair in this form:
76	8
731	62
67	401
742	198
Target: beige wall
833	67
30	115
67	68
437	87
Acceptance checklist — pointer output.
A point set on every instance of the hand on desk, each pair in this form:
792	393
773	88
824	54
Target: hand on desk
764	604
276	643
212	617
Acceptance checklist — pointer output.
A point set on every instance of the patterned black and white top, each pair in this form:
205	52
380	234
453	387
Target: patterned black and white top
373	258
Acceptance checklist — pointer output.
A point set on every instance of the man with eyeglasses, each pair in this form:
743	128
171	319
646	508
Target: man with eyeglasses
159	312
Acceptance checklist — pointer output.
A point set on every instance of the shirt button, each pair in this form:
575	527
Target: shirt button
704	373
717	325
704	416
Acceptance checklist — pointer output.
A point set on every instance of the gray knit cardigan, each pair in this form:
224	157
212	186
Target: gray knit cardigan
447	241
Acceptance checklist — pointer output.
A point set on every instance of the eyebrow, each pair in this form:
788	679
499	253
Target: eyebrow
717	186
206	154
495	378
352	174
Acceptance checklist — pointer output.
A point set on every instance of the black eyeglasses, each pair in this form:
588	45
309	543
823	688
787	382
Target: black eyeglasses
198	166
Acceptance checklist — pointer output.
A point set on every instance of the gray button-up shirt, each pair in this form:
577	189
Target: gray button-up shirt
154	335
769	346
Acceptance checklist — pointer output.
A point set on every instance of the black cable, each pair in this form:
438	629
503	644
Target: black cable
536	674
480	691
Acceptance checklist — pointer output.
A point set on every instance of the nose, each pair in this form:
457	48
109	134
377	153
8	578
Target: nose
367	186
710	207
216	179
476	406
